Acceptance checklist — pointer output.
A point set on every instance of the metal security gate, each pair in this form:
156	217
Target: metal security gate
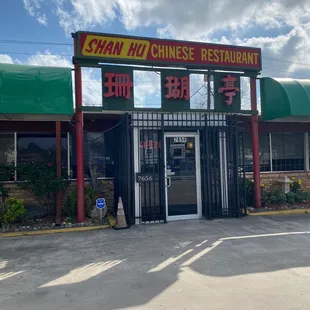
148	138
123	169
141	176
223	167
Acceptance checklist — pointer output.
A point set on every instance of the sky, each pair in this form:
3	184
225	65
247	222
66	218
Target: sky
280	27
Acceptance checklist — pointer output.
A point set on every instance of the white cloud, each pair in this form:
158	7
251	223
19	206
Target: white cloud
48	59
33	7
280	27
147	89
179	18
84	14
42	19
91	88
6	59
201	20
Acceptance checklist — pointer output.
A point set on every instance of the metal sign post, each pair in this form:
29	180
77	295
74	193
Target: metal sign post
100	204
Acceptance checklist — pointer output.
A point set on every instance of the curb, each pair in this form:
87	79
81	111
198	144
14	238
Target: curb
281	212
51	231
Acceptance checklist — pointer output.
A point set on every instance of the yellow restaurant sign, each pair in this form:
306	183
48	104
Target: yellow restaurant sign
110	48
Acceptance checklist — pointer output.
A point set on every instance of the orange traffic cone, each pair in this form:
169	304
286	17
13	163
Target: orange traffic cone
121	222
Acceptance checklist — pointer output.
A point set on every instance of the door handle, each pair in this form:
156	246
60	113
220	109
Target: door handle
168	183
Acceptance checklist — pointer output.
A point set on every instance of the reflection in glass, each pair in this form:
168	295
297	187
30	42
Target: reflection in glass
98	155
39	147
181	168
7	154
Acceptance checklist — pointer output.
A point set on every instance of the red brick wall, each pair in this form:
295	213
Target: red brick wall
19	193
106	190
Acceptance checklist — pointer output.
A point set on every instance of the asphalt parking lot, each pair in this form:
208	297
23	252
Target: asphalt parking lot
250	263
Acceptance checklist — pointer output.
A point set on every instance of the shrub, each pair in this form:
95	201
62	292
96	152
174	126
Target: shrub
265	198
6	173
291	198
70	204
299	197
42	181
14	211
89	201
277	197
305	196
247	190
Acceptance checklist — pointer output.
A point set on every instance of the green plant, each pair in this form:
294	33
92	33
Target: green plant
42	181
247	190
305	196
265	196
6	173
277	197
14	211
90	198
70	205
291	198
295	185
89	201
299	197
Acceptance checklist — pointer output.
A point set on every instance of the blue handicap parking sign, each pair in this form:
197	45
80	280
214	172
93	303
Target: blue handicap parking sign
100	203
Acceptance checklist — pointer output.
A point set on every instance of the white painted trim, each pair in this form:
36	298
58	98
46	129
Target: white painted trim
165	169
183	217
198	175
15	155
223	169
270	152
136	155
306	151
68	155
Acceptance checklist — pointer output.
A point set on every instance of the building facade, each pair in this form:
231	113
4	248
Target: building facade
169	162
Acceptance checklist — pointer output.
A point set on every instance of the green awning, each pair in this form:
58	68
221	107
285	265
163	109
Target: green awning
31	92
285	99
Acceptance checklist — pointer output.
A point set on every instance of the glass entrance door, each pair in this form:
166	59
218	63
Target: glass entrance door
182	172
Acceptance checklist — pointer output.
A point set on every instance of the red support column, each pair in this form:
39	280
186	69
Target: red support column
58	171
255	144
79	140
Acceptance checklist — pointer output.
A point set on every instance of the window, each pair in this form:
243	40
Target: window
98	155
38	147
31	148
264	152
287	151
7	155
99	148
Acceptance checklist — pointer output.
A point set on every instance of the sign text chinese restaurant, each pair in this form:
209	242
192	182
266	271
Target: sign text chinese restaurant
147	51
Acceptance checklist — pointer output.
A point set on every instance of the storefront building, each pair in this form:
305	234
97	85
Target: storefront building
171	162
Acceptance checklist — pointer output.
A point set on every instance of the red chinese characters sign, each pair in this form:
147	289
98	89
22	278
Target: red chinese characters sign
177	88
110	48
227	97
117	90
149	144
118	85
229	89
